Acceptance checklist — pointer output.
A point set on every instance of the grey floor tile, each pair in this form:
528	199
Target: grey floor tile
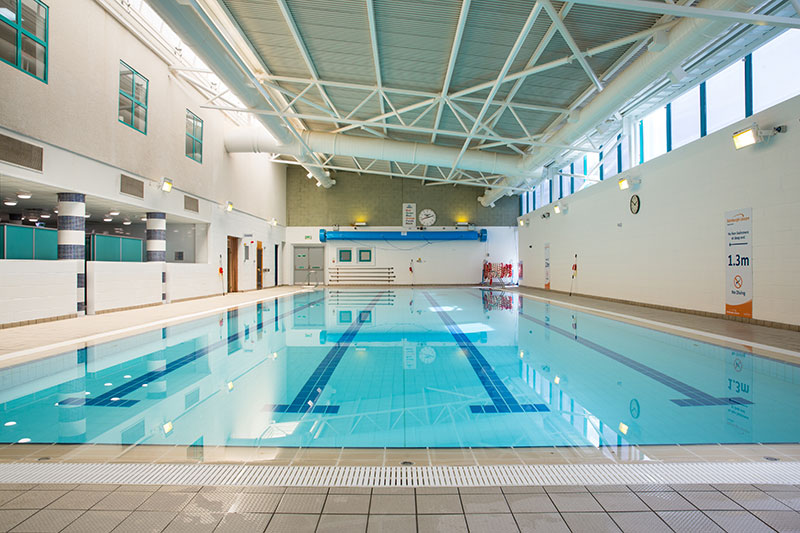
392	504
57	486
166	501
145	522
782	521
541	523
392	490
491	523
777	488
180	488
11	517
738	522
620	501
8	495
293	523
651	487
437	490
484	503
590	523
351	490
34	499
692	487
338	523
441	523
560	489
301	503
121	501
97	522
256	502
347	504
221	488
439	504
480	490
264	489
212	502
102	487
308	490
757	501
575	503
530	503
78	500
47	521
608	488
711	501
666	501
394	523
637	522
137	488
790	499
689	522
243	523
21	486
525	489
733	486
194	523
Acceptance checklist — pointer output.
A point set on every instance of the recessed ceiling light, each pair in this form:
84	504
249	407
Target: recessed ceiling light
22	195
10	203
113	213
108	219
144	219
87	215
44	215
24	441
8	424
126	223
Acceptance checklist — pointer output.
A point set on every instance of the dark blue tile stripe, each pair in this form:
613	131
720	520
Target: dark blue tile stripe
156	215
81	280
696	396
156	234
312	389
134	384
71	251
156	256
502	399
70	222
71	197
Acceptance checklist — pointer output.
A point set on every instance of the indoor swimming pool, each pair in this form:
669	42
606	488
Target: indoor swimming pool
401	367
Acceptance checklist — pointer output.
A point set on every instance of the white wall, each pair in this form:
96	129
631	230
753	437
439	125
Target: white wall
673	252
111	285
37	289
192	281
442	262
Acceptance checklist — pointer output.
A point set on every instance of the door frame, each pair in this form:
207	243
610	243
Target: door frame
310	245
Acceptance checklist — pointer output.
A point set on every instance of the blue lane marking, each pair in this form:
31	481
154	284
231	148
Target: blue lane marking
104	400
502	399
696	396
306	399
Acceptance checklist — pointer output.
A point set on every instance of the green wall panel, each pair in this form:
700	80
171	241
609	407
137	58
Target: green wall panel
46	244
106	248
131	250
2	242
20	242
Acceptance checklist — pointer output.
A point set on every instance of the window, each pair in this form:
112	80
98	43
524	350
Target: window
365	255
725	97
23	36
194	137
686	118
653	134
345	255
132	98
776	70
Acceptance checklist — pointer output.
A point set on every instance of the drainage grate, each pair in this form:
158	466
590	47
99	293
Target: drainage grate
419	476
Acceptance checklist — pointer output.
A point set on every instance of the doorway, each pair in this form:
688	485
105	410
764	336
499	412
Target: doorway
308	264
277	255
259	265
233	264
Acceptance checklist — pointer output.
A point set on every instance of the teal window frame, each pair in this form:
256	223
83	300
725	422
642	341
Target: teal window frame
17	26
349	255
368	251
193	137
133	99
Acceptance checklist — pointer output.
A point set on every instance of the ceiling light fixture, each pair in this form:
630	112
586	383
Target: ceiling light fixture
10	202
108	219
752	135
113	213
22	195
126	222
44	215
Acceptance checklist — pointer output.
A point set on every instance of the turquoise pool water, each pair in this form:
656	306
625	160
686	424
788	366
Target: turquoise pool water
402	368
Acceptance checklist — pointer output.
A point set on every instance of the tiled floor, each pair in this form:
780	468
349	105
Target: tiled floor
640	508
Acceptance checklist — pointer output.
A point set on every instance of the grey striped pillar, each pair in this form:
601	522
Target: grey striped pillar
157	245
72	238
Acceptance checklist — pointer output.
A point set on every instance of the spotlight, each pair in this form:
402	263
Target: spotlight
623	428
359	223
462	223
627	183
229	207
166	184
752	135
521	223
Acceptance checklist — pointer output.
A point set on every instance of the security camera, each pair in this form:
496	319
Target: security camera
780	129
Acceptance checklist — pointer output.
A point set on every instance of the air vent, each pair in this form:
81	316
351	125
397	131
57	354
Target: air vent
131	186
21	153
191	204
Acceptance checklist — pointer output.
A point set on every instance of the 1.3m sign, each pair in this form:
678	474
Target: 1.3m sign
739	263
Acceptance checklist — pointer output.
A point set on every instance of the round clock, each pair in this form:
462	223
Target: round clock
635	204
427	217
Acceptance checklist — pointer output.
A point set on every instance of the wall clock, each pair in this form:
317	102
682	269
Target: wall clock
635	204
427	217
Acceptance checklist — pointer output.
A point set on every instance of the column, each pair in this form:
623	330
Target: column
72	238
157	245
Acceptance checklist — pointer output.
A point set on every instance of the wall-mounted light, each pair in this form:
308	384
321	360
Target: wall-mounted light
560	208
361	223
166	184
628	183
623	428
229	207
557	380
752	135
273	222
230	385
167	428
462	223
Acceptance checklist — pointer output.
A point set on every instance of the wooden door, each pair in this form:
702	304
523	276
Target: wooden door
259	265
233	264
